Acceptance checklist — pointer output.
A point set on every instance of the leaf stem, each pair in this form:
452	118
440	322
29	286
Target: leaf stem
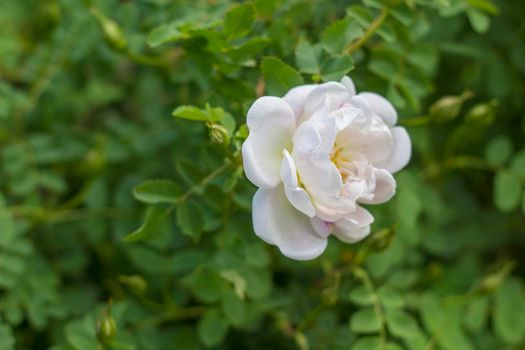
374	26
363	276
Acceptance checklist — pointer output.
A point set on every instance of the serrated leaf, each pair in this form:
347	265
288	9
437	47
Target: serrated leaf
336	67
279	76
239	20
507	191
365	321
212	328
306	58
190	219
149	228
190	113
165	33
336	37
157	191
248	49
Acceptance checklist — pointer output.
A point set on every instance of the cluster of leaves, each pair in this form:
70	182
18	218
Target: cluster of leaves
124	228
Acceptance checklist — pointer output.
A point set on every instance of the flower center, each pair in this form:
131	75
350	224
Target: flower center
342	161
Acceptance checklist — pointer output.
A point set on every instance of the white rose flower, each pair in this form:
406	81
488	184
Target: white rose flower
316	155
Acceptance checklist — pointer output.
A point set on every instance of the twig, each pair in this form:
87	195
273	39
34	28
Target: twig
374	26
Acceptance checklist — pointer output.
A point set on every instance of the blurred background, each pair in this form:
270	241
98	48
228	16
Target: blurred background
123	227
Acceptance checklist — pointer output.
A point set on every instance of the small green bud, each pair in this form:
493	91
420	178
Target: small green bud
493	281
382	238
135	282
448	107
219	134
106	327
482	113
113	33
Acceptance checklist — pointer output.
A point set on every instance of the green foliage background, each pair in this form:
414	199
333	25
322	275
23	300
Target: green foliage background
122	227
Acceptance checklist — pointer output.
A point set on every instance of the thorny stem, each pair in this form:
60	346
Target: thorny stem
374	26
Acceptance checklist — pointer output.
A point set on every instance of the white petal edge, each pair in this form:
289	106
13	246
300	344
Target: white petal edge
296	97
277	222
348	83
380	106
329	95
297	196
355	227
401	152
272	125
385	187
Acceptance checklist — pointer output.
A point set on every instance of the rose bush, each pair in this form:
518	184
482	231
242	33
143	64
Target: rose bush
317	155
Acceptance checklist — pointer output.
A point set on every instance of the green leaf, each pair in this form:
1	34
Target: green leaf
279	76
523	203
157	191
239	20
507	191
367	343
361	296
479	21
7	338
476	315
81	334
518	164
336	67
190	219
150	227
498	150
365	321
336	37
212	328
190	113
390	298
248	49
401	324
233	307
206	285
509	311
256	255
165	33
306	58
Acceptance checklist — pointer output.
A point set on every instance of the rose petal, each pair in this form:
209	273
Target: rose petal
380	106
272	124
277	222
370	137
296	98
322	228
355	227
330	95
385	187
401	152
297	196
317	172
348	83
